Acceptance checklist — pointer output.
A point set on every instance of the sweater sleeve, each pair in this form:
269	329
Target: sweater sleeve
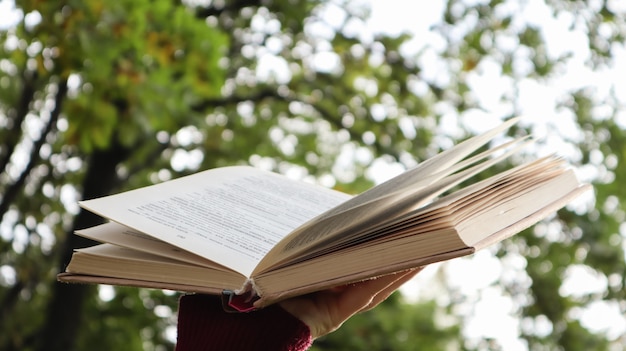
203	325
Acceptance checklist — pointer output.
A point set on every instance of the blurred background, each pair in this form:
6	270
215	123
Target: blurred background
98	97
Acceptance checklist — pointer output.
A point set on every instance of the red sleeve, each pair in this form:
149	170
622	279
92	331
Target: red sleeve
203	325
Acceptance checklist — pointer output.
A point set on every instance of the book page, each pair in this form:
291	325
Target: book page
431	170
232	215
111	261
482	216
120	235
334	230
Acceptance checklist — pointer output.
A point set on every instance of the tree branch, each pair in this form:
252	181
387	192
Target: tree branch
269	93
14	132
233	6
10	194
232	100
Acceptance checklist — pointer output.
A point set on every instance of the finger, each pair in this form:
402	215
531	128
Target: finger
358	296
325	311
391	288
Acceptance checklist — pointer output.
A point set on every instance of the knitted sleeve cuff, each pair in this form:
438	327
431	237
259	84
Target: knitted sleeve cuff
203	325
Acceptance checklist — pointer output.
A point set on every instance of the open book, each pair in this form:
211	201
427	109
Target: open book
267	237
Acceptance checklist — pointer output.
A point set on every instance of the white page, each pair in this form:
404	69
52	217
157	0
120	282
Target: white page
120	235
231	215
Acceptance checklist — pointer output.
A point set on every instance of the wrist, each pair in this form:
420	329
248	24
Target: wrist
204	325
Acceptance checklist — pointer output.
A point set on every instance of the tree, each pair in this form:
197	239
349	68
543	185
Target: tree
97	97
91	80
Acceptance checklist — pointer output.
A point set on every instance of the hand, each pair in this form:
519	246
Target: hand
325	311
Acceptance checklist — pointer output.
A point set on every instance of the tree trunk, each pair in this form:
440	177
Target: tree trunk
65	307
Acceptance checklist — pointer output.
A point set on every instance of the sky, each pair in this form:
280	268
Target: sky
8	15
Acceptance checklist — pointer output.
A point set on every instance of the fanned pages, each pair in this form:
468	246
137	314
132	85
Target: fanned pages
269	237
331	229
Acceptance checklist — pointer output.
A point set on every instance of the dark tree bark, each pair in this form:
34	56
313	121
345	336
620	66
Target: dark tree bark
65	309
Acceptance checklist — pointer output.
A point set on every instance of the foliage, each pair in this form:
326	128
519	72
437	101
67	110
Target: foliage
396	325
97	97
